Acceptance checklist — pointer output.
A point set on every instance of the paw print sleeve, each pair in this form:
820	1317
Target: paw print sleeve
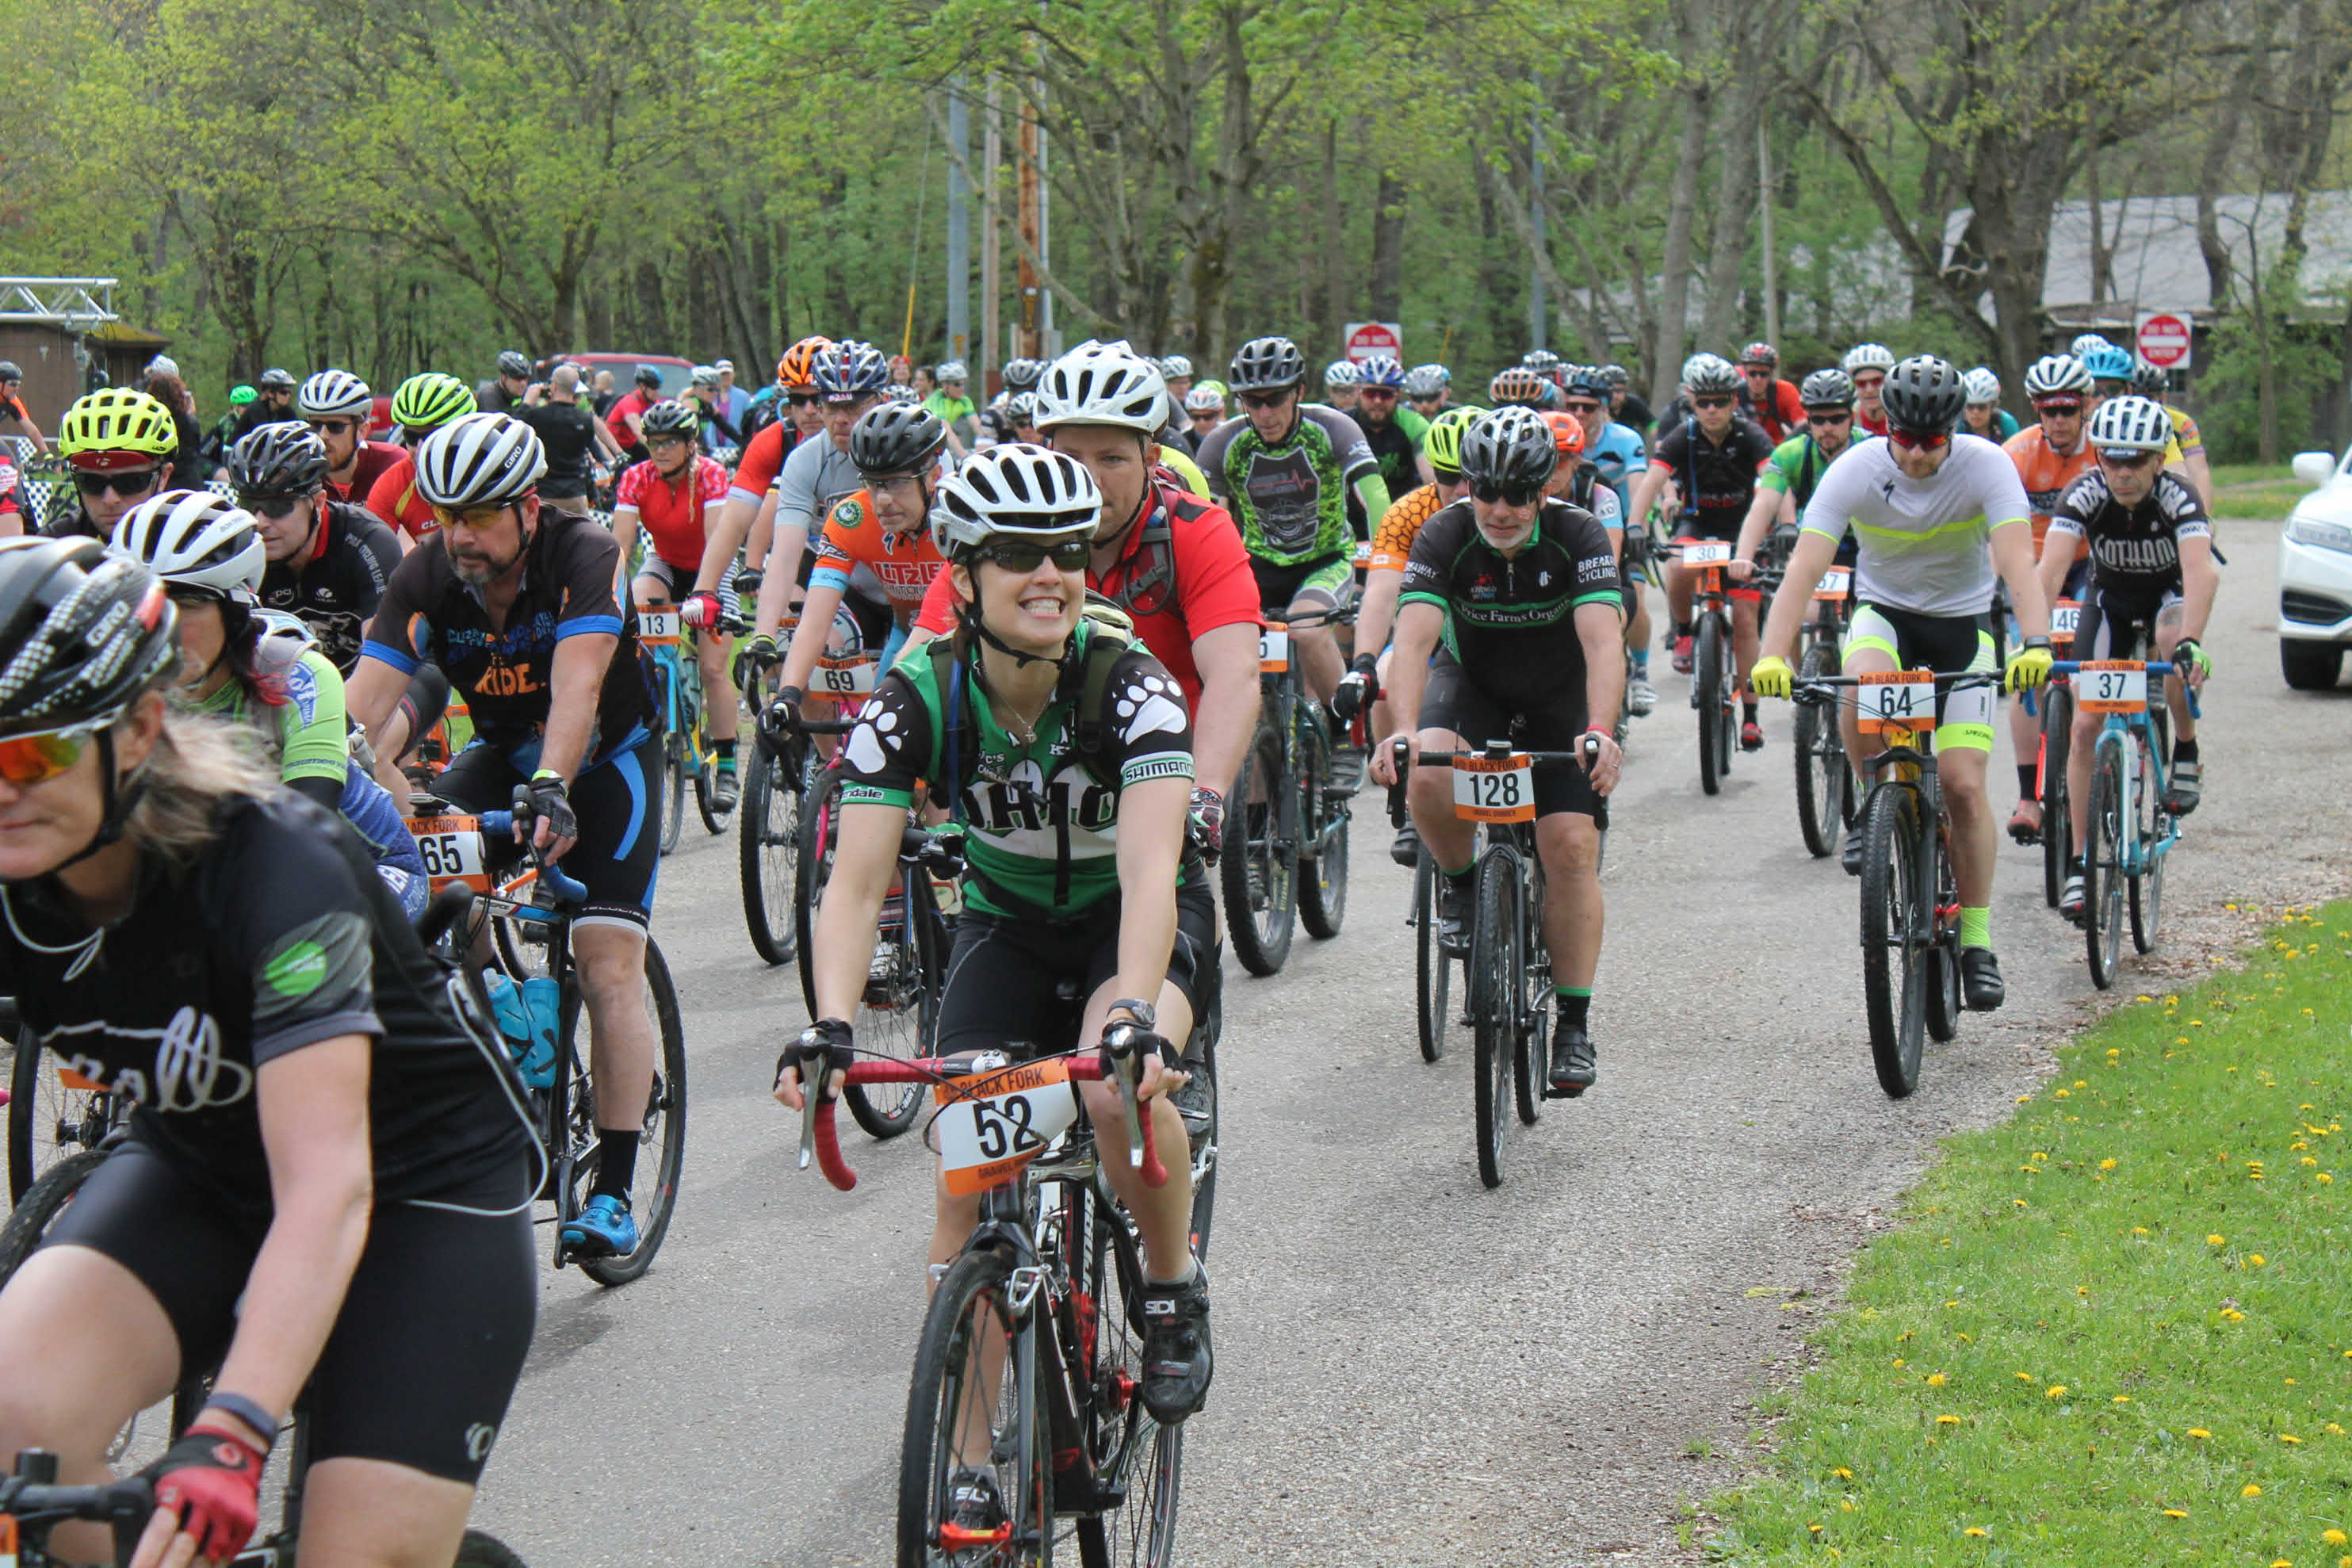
885	756
1151	733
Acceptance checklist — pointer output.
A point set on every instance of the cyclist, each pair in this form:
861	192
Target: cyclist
2152	382
704	397
1626	407
1176	372
1786	486
1619	452
1713	457
504	392
337	405
1341	379
1868	363
1765	397
1393	434
325	1181
1924	504
955	410
213	451
2049	457
1508	624
273	403
573	437
1019	375
677	493
515	602
262	667
748	518
1285	469
329	559
1984	415
2152	581
1429	388
116	444
1204	405
1018	417
628	409
14	420
1520	387
1111	899
420	406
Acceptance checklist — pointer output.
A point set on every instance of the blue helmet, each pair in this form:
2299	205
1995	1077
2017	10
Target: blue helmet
2108	362
1382	370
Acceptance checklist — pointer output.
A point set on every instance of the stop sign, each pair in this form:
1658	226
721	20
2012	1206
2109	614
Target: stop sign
1366	339
2165	339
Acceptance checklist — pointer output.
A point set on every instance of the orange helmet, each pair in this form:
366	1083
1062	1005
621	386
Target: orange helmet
1567	433
798	366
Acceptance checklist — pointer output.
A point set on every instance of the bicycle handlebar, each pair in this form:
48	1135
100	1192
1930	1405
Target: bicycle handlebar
552	877
1335	617
2072	666
1588	748
1820	689
126	1504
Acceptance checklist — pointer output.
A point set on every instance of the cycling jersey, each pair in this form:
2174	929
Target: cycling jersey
2135	552
1619	454
396	500
1796	471
1511	625
903	563
815	476
1393	542
1187	473
2185	434
674	512
2046	474
1718	479
567	433
2004	426
335	588
376	459
625	417
1041	830
1395	445
764	460
1290	497
1922	542
1785	413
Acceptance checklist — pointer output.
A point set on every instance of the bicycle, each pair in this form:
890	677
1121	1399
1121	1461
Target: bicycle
1034	1335
1715	670
2055	702
1910	902
1286	848
1827	799
686	747
784	769
2130	831
1434	965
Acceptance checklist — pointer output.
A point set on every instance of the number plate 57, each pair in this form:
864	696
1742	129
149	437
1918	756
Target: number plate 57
990	1127
1495	789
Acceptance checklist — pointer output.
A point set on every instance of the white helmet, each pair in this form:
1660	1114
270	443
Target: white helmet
483	460
332	394
1018	492
1177	366
196	539
2086	345
950	370
1342	373
1206	397
1981	386
1868	357
2130	424
1103	383
2057	373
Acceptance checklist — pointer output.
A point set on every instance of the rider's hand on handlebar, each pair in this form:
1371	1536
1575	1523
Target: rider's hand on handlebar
1358	689
1209	818
1602	759
1384	759
759	656
208	1488
783	714
2029	666
699	609
557	829
1771	677
1159	1073
827	1040
1742	570
2190	661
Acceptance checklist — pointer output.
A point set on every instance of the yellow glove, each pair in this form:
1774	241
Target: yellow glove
2029	667
1771	677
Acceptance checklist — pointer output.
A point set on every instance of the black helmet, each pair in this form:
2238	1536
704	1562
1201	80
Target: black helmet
1511	447
671	417
1923	394
648	376
9	371
512	362
274	380
1267	364
897	438
2147	380
281	459
82	631
1831	388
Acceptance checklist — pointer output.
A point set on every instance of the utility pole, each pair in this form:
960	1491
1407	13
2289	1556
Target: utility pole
1771	252
959	224
1029	340
1050	345
1538	313
989	242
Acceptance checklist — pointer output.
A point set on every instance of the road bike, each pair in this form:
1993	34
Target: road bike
1715	670
1285	847
2130	830
783	770
1826	797
687	748
1910	902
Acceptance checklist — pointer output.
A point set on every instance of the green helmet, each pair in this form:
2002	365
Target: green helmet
1443	445
427	402
239	397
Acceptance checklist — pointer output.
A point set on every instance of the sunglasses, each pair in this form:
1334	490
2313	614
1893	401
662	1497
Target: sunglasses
1070	556
1377	395
2127	461
1916	440
1843	416
133	482
664	442
1264	399
1578	406
800	399
474	519
2064	406
44	755
1864	383
269	506
1712	402
1511	495
331	426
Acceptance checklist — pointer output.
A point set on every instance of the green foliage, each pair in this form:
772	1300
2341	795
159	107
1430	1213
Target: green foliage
2304	365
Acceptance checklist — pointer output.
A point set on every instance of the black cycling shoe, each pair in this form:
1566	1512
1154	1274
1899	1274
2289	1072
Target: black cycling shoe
974	1510
1852	858
1345	772
726	790
1177	1363
1453	916
1572	1067
1406	850
1980	985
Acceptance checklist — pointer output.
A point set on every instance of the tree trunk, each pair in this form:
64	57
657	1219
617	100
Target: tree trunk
1388	249
1499	280
1334	314
650	331
1674	280
1735	190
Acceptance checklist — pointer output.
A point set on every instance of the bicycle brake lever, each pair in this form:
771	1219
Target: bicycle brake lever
1127	1070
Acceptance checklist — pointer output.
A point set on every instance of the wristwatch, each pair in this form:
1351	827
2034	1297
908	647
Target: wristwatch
1143	1013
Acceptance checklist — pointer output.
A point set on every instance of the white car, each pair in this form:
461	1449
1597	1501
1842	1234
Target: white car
2315	574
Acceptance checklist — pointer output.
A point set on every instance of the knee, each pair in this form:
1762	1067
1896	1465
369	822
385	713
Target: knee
611	970
1571	846
1964	786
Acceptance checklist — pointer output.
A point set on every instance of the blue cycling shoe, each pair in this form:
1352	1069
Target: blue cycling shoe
605	1228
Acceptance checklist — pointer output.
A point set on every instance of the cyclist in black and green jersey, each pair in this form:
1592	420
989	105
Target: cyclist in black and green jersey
1066	756
1786	483
1284	470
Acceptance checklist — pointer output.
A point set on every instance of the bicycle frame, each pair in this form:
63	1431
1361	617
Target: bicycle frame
2137	730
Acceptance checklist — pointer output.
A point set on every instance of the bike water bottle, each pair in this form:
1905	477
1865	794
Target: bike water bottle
542	1000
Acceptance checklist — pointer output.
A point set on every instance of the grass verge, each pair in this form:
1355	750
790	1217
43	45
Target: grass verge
2248	491
2111	1331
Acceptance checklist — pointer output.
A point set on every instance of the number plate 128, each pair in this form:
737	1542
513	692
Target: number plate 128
990	1127
1495	789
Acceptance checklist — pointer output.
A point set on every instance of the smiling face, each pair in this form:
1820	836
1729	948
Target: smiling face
1034	611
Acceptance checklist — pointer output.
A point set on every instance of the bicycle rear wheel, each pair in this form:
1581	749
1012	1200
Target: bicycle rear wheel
1709	694
812	852
2057	809
52	1112
1494	977
975	1402
1894	938
1256	868
1822	776
1943	998
1435	970
41	1204
767	825
899	1011
1121	1437
2103	868
661	1147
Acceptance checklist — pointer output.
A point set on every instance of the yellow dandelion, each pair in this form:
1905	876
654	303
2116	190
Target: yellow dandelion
1843	1473
1935	1380
2198	1432
2120	1399
1948	1420
2176	1513
1845	1505
2108	1163
2334	1537
2216	1239
2250	1490
2231	1315
2139	1230
1979	1532
1900	1362
2290	1437
2325	1179
1814	1528
2062	1094
2255	1260
2333	1430
2055	1390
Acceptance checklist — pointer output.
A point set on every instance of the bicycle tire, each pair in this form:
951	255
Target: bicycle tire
41	1203
974	1287
767	823
664	1135
1202	1063
1894	993
2057	808
2103	879
1821	774
39	1103
1708	697
1120	1437
479	1549
1434	968
899	1014
1322	875
812	841
1943	998
1495	970
2152	823
1260	921
1726	733
673	814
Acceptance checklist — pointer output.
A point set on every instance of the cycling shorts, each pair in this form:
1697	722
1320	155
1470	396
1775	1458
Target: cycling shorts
2120	626
430	1342
619	804
1021	986
426	700
1327	579
1454	701
677	580
1945	643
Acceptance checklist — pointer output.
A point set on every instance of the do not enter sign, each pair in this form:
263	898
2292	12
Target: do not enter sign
1366	339
2165	339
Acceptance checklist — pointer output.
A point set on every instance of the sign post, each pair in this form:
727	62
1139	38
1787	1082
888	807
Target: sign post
2164	338
1366	339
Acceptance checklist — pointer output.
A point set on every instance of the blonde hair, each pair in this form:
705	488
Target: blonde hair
199	764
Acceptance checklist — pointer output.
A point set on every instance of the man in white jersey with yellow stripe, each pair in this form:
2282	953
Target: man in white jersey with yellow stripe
1923	505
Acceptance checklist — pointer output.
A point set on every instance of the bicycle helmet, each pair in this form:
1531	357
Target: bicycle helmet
950	370
483	460
1425	381
648	376
1710	375
2108	362
1272	364
1206	397
1443	445
706	375
1511	447
1543	362
798	367
1176	367
2057	375
1761	353
113	428
11	370
899	392
1383	370
241	394
1021	374
275	380
1591	381
2130	424
196	539
279	459
1517	385
425	402
1342	373
1981	386
1923	395
671	417
334	395
1617	374
1015	492
2086	345
1021	409
897	438
1868	357
1103	383
1566	434
2150	380
82	632
513	362
848	370
1831	388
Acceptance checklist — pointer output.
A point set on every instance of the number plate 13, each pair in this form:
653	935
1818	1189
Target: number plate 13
1495	789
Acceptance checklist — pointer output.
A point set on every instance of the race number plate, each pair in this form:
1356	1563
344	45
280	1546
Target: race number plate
1363	553
1897	700
1495	789
658	628
452	850
1273	650
1707	552
8	1541
838	678
991	1126
1835	583
2112	686
2065	616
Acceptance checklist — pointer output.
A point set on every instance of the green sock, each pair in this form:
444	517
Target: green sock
1575	1003
1976	927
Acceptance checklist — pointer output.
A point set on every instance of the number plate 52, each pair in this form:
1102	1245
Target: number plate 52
990	1127
1495	789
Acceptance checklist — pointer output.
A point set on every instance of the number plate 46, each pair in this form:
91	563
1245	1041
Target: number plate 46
1495	789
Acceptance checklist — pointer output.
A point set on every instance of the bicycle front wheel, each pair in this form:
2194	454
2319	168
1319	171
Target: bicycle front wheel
812	849
2103	868
661	1145
1121	1437
1896	932
2153	825
975	1405
1257	867
1435	969
769	821
1710	693
52	1112
1821	773
2057	809
1495	969
674	772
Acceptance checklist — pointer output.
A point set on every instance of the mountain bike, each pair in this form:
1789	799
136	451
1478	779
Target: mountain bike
1434	965
1910	902
1826	797
687	748
1285	846
1715	670
2130	831
783	767
2055	704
